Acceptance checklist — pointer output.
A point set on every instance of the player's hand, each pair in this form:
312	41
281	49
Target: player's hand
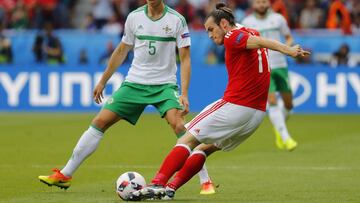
184	101
296	52
98	93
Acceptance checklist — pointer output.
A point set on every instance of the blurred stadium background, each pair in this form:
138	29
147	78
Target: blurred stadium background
45	103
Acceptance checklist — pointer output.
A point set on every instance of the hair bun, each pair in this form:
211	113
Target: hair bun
220	5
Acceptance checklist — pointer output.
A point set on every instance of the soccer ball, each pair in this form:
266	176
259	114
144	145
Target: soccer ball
129	182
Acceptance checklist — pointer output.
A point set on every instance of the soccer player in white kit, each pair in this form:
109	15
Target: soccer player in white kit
274	26
226	123
153	31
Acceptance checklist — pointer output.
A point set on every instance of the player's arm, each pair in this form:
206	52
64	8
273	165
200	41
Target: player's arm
289	40
116	59
255	42
185	72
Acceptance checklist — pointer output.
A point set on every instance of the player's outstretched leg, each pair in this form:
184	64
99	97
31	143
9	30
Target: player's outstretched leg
283	138
86	145
176	121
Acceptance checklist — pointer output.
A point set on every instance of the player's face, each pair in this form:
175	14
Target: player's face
154	3
261	6
215	32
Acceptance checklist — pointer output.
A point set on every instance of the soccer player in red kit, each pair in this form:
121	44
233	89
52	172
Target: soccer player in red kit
226	123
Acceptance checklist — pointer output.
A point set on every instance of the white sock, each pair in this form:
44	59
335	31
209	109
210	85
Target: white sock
286	112
277	119
86	145
204	175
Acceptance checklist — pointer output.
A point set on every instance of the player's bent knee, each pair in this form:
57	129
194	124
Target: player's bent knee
272	100
289	106
208	149
100	123
179	128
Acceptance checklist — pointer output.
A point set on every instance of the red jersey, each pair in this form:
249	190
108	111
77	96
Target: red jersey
248	70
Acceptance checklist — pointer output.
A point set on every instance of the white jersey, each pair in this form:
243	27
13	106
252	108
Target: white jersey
273	26
155	43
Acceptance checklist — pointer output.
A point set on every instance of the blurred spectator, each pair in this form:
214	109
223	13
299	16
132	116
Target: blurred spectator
62	13
102	12
38	48
198	4
356	14
44	12
70	11
311	16
106	56
136	4
47	46
83	58
339	17
172	3
6	55
238	12
186	9
2	16
89	23
112	27
342	57
242	4
19	16
121	8
280	7
197	23
52	47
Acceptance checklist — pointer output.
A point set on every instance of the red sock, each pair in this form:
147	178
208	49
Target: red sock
172	163
191	167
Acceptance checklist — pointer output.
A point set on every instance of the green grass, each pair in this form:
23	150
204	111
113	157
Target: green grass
324	168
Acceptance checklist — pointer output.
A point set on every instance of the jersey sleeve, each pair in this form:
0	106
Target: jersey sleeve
183	35
128	37
236	40
284	28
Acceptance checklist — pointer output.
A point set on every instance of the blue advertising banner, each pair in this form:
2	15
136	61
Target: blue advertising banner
316	89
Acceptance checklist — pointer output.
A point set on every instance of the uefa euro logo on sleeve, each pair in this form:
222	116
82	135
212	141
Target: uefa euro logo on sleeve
185	35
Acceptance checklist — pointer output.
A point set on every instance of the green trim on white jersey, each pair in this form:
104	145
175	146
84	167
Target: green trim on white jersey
172	11
156	38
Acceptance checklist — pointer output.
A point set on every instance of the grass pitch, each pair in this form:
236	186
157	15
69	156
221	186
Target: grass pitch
324	168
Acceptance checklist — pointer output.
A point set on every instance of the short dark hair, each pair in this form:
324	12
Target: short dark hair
220	12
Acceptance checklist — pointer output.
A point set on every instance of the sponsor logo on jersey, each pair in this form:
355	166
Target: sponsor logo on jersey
140	27
185	35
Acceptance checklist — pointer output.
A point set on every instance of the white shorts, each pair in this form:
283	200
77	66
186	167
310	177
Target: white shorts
225	124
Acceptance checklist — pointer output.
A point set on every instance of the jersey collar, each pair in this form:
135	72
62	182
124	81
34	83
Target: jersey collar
163	14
